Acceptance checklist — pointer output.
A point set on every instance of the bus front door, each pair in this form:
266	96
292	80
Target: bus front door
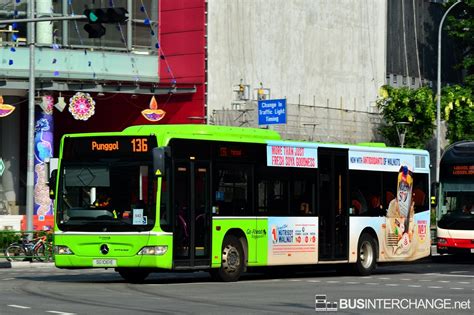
333	205
192	214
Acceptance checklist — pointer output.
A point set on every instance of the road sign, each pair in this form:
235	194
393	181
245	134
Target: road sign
272	112
2	166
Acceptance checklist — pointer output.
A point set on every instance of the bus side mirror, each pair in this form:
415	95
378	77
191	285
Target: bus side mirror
52	183
159	157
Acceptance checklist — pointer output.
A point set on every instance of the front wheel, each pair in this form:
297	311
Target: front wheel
233	262
366	258
133	275
15	253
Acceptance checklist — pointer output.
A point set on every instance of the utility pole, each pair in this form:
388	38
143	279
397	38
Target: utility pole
438	95
30	174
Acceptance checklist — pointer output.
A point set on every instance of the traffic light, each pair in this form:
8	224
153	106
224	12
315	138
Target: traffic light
96	17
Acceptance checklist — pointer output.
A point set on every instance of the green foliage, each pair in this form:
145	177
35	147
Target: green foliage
407	105
460	26
458	112
6	238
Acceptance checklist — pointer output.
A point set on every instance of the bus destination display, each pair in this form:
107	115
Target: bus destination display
79	148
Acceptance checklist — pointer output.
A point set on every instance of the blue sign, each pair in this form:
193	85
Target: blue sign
272	112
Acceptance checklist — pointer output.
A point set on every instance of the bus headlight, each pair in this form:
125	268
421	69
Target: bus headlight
62	250
153	250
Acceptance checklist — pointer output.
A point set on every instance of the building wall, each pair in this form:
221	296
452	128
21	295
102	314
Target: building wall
327	58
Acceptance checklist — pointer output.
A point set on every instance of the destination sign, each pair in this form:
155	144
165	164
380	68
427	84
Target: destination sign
108	146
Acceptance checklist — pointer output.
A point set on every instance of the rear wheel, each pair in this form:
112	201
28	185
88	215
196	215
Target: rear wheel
15	253
133	275
40	252
366	258
233	261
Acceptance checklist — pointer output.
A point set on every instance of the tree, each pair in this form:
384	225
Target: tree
416	107
458	112
460	26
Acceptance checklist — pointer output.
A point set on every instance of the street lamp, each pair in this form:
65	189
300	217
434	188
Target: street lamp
438	95
401	131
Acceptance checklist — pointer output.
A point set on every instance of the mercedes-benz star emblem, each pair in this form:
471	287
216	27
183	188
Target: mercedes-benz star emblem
104	249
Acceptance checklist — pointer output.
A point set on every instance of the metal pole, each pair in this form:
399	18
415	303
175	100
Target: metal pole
30	175
438	95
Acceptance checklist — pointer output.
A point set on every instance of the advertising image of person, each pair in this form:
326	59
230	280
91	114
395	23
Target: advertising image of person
400	216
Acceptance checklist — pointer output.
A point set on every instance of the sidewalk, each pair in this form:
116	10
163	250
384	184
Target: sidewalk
25	264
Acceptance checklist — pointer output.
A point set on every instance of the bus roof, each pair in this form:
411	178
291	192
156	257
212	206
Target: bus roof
461	152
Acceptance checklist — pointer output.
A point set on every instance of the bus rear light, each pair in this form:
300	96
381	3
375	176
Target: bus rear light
153	250
442	240
62	250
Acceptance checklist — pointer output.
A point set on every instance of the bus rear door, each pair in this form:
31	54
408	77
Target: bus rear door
333	204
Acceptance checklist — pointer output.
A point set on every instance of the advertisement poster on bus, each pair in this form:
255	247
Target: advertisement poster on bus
292	240
405	234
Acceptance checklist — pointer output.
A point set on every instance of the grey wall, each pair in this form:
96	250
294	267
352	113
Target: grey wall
327	58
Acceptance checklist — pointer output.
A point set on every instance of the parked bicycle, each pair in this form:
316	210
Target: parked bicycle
38	249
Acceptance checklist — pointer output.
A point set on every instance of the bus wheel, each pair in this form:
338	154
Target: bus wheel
133	275
366	258
232	264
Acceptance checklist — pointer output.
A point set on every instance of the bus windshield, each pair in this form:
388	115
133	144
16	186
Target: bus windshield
108	195
460	202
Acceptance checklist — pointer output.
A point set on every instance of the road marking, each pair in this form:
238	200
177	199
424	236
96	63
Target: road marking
6	279
449	275
405	279
384	278
371	283
392	284
295	280
414	286
352	282
444	281
18	306
424	280
313	281
459	271
333	281
456	288
464	282
434	287
62	313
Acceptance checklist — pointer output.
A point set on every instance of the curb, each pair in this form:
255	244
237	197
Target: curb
26	264
5	264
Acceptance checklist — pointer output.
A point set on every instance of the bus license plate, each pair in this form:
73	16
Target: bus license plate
104	263
472	250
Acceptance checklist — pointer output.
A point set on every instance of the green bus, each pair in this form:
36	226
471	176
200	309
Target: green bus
217	198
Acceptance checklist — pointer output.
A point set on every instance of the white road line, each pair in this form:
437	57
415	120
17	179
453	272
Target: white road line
406	279
414	286
459	271
464	282
352	282
444	281
313	281
434	287
371	283
456	288
6	279
449	275
62	313
18	306
333	281
384	278
392	284
295	280
425	280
